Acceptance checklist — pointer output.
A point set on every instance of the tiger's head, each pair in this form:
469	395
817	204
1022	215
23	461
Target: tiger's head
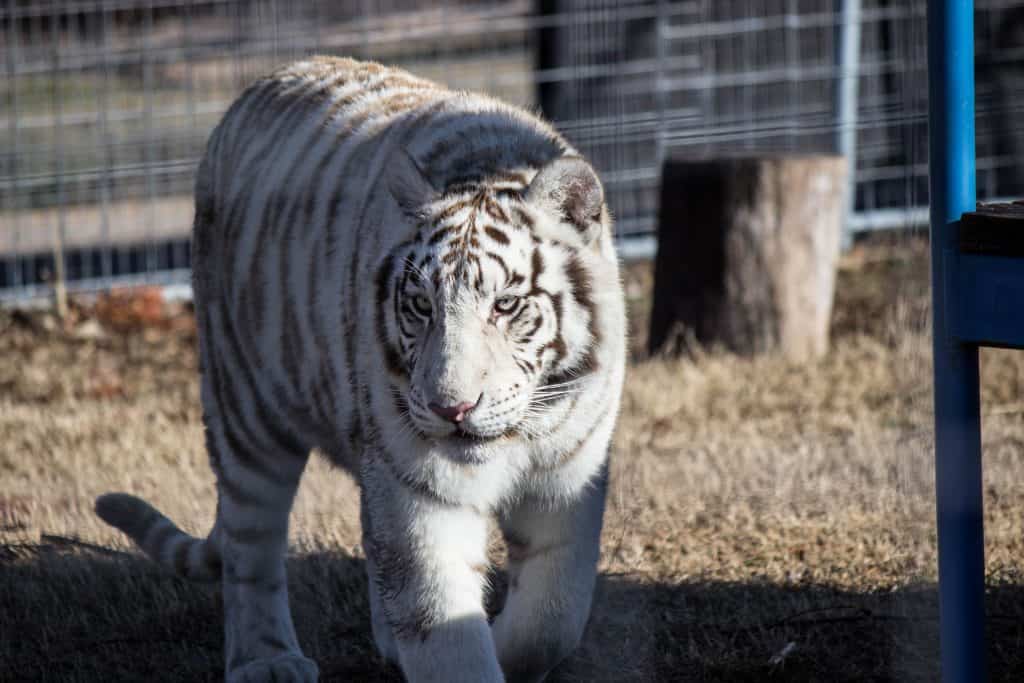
487	311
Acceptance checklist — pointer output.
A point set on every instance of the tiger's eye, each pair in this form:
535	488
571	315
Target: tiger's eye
506	304
422	305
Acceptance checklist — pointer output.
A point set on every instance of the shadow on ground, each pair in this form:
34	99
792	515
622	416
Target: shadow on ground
77	614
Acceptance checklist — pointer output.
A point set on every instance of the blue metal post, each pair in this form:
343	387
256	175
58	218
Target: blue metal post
958	486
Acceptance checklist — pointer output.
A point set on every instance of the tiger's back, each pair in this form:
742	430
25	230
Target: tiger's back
422	284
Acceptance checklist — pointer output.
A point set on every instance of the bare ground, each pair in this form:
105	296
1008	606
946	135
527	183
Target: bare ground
767	520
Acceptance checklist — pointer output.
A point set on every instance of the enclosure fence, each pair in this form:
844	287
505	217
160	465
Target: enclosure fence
108	103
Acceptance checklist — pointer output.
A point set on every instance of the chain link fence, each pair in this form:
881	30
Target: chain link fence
108	103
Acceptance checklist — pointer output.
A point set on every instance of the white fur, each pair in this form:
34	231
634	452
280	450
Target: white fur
284	334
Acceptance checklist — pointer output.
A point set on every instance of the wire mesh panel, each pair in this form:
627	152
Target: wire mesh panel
107	103
698	78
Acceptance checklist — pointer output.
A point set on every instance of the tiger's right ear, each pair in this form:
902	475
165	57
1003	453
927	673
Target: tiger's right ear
408	183
568	189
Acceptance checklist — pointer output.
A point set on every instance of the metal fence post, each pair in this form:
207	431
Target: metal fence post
958	487
846	104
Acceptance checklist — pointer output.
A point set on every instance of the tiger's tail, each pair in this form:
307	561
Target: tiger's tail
160	538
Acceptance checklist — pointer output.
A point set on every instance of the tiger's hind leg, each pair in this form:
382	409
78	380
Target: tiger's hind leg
256	485
257	458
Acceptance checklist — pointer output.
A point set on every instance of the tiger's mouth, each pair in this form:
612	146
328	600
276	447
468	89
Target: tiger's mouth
469	448
464	436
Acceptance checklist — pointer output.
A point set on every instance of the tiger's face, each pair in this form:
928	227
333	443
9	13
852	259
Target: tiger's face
486	313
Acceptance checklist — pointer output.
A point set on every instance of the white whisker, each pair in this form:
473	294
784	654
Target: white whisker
568	383
418	271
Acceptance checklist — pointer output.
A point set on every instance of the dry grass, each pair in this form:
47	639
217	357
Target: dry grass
767	520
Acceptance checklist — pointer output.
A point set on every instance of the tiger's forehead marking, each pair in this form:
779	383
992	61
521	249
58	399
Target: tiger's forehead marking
472	230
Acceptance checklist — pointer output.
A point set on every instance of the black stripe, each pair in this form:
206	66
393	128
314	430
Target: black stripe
237	436
328	371
463	185
537	266
284	118
210	557
179	560
281	437
501	264
246	454
227	487
392	360
242	116
451	210
508	177
291	337
523	219
557	344
496	234
536	326
410	271
253	535
494	209
325	117
581	290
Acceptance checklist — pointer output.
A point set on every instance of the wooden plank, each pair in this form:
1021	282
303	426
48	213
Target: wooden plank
994	229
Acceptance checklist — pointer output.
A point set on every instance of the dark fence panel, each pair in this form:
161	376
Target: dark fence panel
107	103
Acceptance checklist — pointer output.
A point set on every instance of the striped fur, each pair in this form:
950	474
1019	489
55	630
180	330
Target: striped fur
370	247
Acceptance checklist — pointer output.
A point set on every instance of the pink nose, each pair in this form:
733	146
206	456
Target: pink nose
456	413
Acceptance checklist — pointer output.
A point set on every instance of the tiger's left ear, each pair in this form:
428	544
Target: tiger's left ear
408	183
569	189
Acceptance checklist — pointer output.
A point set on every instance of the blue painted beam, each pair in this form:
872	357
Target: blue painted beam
987	294
958	487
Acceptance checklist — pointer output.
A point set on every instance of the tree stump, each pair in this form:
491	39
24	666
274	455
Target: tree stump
747	252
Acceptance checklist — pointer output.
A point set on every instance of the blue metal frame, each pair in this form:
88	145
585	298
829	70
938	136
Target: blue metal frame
975	302
957	422
987	307
958	488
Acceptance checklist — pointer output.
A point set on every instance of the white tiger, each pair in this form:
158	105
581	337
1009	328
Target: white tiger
421	283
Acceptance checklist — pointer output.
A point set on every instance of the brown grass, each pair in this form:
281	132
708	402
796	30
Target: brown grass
767	520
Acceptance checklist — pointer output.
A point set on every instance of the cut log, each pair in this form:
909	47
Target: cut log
747	252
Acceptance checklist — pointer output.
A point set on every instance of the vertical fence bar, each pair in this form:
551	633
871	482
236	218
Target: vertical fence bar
179	248
84	41
661	94
150	158
791	43
958	487
846	106
105	143
58	83
14	277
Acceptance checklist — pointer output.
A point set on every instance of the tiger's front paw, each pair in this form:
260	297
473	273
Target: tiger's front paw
286	668
528	655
